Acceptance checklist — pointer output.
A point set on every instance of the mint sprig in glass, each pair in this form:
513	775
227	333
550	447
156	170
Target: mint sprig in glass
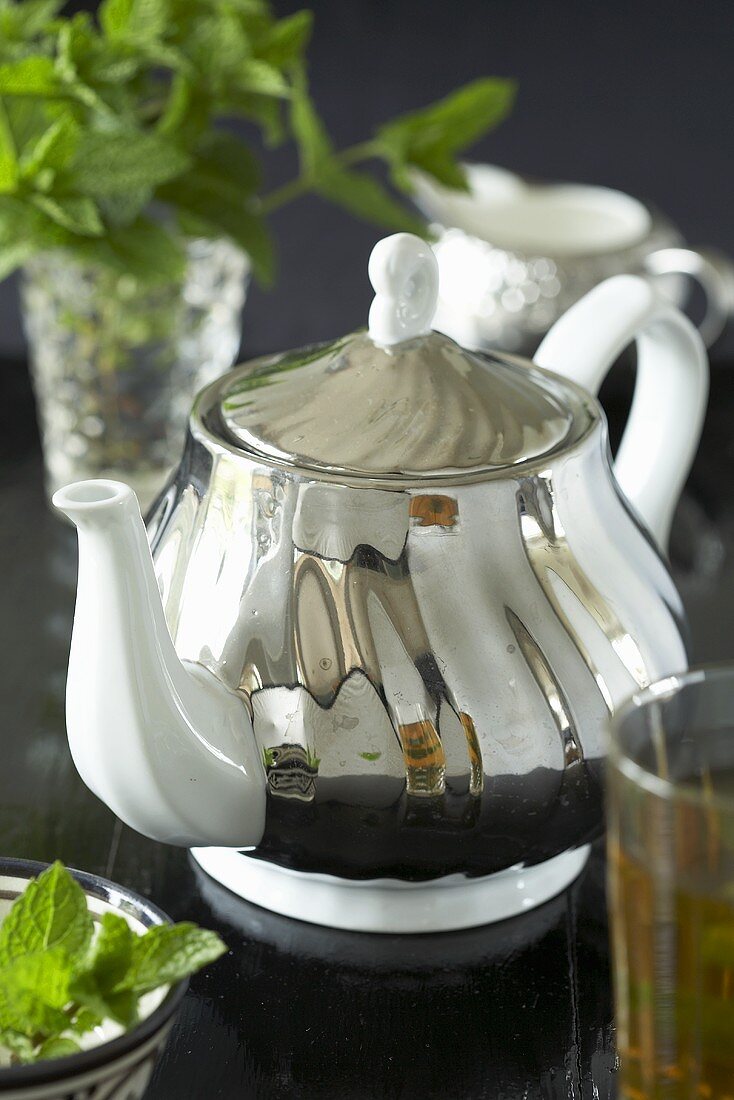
117	138
132	194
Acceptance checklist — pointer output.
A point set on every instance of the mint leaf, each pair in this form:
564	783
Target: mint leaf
83	1020
287	39
34	989
13	256
114	16
143	249
79	215
223	211
187	111
156	53
83	63
54	148
138	17
75	40
30	76
147	251
110	163
19	1045
169	952
23	21
24	231
101	1004
52	912
365	197
267	113
9	171
123	966
229	163
431	138
44	974
121	210
113	951
259	76
57	1047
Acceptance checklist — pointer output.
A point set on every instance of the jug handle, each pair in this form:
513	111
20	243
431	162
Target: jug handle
671	391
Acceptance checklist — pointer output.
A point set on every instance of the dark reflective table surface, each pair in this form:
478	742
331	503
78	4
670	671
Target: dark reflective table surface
516	1011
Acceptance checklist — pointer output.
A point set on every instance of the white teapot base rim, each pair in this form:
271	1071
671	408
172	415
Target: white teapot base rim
391	905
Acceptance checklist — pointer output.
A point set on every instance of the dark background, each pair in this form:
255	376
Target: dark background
636	95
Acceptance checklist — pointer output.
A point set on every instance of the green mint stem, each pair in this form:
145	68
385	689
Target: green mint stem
282	195
355	154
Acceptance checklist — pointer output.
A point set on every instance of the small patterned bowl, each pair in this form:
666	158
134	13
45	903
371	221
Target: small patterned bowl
120	1068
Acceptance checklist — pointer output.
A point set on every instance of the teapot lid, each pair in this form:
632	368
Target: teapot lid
398	401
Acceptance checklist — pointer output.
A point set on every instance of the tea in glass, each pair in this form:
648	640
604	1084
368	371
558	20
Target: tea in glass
671	878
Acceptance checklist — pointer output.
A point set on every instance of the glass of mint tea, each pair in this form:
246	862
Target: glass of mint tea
670	804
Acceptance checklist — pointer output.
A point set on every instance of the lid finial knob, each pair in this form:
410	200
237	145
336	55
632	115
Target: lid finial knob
404	273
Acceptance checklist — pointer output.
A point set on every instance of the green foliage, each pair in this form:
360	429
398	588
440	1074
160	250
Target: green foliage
51	914
57	1048
103	119
431	138
59	980
327	174
168	953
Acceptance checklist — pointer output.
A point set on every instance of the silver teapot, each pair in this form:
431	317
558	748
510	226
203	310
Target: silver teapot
363	657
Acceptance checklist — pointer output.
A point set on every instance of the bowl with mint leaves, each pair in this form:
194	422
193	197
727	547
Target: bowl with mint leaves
91	977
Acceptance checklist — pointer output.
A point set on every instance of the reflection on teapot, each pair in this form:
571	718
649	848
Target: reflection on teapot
381	661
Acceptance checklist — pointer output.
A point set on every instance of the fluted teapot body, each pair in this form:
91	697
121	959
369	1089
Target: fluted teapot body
420	591
428	667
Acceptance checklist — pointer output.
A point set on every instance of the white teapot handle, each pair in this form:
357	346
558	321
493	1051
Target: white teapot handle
669	403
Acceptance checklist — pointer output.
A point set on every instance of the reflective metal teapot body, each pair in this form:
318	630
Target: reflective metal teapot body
404	592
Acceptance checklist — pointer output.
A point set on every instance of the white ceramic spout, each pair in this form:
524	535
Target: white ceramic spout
164	743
